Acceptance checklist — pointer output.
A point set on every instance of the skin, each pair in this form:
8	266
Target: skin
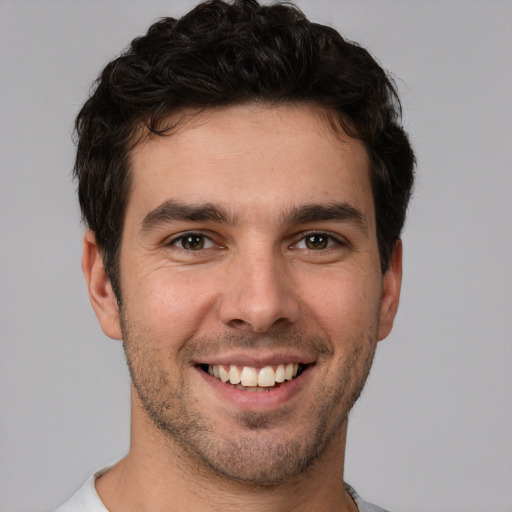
256	291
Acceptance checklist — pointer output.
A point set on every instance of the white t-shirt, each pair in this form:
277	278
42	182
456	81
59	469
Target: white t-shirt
87	499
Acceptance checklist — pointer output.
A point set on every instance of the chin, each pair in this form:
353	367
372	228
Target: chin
260	449
264	462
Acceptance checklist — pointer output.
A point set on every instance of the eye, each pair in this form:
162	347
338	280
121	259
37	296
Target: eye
317	242
192	242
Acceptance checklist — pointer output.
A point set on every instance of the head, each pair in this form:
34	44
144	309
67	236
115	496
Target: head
245	178
221	55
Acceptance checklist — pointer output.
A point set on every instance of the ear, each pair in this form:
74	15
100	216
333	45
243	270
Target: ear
101	294
391	284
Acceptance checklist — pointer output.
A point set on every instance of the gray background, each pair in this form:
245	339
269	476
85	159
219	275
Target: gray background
432	431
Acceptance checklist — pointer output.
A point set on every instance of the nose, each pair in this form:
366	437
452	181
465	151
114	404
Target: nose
259	293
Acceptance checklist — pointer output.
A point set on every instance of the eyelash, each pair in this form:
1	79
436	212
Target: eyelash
182	238
331	241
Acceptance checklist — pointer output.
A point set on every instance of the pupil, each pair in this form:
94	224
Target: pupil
193	242
316	242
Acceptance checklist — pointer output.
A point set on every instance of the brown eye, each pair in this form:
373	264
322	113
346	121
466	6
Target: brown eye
193	242
317	242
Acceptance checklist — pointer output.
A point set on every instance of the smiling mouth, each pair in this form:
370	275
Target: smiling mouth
248	378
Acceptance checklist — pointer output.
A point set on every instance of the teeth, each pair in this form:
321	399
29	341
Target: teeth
266	377
280	373
234	374
250	379
224	375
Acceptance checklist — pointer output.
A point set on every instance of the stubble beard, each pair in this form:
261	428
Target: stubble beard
257	456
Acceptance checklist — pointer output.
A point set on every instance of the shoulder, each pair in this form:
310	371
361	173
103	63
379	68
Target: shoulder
362	505
86	499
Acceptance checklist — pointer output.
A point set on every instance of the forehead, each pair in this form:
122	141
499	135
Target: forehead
251	158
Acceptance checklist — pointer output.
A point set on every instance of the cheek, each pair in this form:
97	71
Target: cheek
347	308
172	306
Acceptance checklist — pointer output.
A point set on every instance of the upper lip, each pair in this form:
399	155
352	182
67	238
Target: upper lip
258	360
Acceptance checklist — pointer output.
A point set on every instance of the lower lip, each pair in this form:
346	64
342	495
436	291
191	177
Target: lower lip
256	400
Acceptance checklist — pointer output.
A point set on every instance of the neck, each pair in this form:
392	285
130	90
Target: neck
157	475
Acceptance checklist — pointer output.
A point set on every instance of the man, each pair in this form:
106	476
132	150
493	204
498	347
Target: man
244	178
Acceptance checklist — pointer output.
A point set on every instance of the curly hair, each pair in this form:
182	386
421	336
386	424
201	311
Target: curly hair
221	54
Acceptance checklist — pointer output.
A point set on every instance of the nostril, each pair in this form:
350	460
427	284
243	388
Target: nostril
236	322
260	307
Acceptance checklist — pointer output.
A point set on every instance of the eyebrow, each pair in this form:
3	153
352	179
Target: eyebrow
330	212
172	211
175	211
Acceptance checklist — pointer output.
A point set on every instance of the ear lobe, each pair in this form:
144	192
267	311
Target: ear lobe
391	284
101	294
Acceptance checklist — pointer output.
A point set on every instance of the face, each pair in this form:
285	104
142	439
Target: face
252	296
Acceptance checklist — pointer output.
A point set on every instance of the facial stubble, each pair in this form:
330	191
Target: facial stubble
258	454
